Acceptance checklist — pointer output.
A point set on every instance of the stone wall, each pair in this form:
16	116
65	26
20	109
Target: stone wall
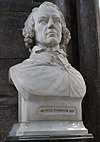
89	63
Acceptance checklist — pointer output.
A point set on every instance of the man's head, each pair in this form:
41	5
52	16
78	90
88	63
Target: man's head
46	25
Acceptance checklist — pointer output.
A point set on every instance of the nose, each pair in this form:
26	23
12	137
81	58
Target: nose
50	23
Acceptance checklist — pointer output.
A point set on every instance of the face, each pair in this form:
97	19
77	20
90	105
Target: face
48	27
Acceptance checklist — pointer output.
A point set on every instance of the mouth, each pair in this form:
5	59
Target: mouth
52	33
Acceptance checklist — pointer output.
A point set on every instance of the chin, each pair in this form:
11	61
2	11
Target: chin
53	42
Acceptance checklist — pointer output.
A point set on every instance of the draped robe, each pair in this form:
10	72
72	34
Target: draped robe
45	73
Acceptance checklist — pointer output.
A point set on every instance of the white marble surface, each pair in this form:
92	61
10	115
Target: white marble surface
49	128
49	108
47	73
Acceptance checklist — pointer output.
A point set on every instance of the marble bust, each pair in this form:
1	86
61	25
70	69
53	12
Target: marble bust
49	87
47	71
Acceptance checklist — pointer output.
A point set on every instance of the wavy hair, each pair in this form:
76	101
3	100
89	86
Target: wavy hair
29	33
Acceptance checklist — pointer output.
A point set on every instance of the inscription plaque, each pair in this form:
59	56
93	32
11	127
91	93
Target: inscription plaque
57	110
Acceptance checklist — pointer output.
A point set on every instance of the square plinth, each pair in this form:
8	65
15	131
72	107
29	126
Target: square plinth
49	108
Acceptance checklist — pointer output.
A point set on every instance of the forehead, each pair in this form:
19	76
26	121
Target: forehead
46	11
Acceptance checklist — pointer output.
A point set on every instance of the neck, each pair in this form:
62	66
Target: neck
48	47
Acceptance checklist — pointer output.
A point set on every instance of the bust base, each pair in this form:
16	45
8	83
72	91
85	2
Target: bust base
61	138
50	128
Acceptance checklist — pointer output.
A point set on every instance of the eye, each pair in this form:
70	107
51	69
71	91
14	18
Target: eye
43	20
57	20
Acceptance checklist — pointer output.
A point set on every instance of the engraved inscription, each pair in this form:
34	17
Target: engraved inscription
57	110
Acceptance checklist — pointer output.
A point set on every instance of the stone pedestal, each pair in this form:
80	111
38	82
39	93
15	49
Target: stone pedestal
60	138
48	108
49	116
49	128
